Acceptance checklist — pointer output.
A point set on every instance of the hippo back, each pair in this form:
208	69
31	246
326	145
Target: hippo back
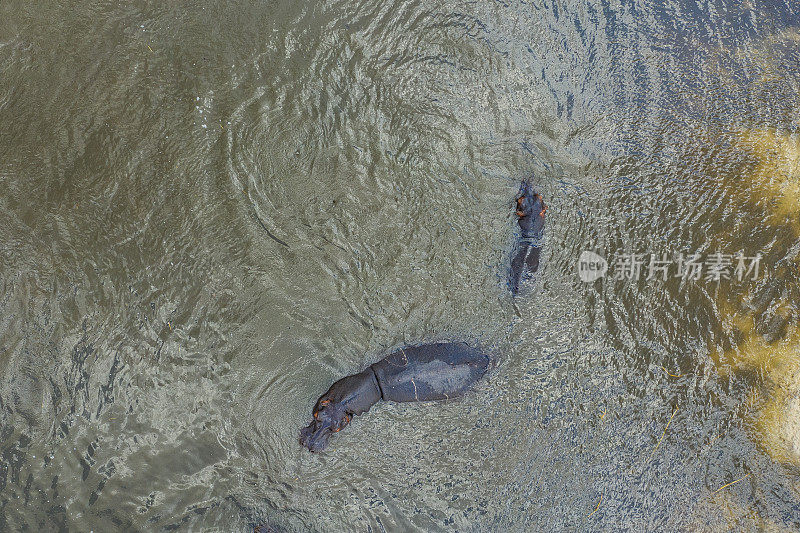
430	372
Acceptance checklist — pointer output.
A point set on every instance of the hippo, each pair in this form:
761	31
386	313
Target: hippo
530	210
413	374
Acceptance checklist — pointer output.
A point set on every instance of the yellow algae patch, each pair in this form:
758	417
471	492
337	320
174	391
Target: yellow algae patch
728	513
752	350
779	418
779	423
756	353
776	175
766	56
776	404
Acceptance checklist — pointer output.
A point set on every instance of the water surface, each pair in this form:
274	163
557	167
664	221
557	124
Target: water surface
211	211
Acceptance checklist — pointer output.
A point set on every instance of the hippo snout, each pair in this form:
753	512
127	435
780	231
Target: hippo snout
315	436
329	417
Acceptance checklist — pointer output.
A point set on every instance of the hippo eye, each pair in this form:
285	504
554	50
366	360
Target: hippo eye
323	403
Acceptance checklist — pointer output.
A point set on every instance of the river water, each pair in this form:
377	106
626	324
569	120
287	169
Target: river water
210	211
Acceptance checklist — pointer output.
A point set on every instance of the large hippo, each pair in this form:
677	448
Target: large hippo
530	214
416	373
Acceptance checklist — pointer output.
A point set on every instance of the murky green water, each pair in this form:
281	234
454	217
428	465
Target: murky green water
211	211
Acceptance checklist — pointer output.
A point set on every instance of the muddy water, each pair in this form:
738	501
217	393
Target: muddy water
210	211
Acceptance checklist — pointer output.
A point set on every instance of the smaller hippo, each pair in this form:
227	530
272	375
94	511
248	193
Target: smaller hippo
413	374
530	210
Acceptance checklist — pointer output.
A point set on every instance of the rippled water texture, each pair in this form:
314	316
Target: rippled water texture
211	211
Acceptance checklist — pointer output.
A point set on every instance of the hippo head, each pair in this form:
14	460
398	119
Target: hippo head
530	210
329	417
